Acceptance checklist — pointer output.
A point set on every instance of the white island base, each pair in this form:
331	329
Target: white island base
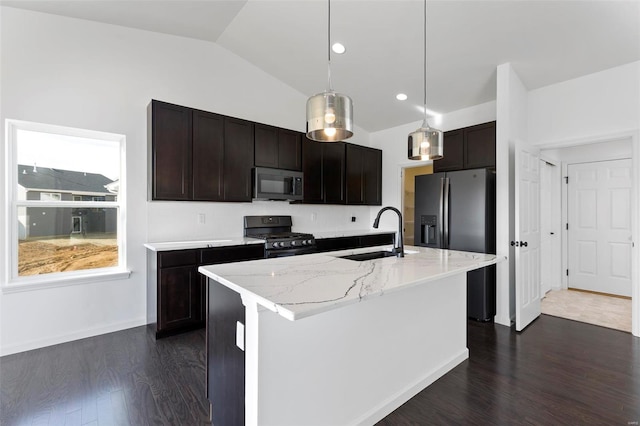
333	341
353	365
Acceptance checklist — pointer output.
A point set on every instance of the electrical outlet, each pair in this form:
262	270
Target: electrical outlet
202	218
314	216
353	218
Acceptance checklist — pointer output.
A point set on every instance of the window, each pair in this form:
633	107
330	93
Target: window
50	196
66	209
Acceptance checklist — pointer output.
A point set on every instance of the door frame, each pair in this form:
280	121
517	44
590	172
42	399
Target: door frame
556	211
635	161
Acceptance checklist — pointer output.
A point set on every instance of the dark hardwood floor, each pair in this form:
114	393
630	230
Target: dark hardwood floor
557	372
123	378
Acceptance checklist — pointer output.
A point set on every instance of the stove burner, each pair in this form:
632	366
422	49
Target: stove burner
279	240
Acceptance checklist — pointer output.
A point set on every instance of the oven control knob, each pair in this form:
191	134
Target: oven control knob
276	245
294	243
309	242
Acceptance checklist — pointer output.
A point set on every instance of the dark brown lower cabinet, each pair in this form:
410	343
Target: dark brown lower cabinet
176	291
359	241
225	360
180	298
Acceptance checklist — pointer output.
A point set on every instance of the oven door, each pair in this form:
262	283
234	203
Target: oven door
269	254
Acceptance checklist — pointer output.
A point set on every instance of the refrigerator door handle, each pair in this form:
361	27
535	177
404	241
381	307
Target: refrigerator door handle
445	213
440	214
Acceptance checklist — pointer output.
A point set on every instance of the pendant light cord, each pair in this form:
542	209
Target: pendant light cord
425	61
329	45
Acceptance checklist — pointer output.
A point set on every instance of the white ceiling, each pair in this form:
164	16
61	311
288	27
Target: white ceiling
545	41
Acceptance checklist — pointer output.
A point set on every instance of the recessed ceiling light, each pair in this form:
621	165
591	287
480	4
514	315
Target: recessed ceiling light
338	48
401	97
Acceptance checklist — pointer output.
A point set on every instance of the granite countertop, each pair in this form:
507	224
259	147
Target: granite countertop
300	286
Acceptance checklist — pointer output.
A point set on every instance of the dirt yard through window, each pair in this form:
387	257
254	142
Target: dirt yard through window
60	255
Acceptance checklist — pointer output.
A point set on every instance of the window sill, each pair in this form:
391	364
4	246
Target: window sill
40	282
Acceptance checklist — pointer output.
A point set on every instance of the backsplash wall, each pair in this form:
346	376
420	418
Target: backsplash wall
226	219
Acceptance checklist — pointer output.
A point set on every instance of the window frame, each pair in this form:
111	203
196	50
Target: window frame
11	280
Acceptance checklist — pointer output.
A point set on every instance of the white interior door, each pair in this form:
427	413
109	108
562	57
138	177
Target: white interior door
527	234
599	226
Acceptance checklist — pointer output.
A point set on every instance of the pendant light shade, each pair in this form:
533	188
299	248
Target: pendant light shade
425	143
329	117
329	114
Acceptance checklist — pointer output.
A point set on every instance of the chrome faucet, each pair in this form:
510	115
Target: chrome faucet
399	251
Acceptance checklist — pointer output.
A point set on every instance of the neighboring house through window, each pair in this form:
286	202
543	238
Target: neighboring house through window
66	218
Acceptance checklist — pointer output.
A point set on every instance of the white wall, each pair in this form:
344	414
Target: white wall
96	76
393	142
511	129
597	104
601	107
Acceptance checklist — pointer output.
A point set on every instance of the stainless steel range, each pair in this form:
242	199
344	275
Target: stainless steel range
279	240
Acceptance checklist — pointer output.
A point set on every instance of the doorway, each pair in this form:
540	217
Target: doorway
580	257
409	198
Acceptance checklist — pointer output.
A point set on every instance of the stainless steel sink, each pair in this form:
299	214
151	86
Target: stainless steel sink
369	256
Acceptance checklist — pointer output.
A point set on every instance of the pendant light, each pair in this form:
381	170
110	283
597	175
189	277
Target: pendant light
426	142
329	114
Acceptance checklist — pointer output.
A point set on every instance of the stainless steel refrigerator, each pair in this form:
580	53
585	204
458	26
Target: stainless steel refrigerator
456	211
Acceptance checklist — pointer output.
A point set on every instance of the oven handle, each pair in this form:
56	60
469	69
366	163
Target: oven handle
271	254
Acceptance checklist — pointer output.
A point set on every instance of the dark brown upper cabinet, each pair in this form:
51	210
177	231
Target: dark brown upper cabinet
323	165
341	173
468	148
364	175
198	155
277	148
171	152
208	156
333	172
453	155
480	146
238	159
312	169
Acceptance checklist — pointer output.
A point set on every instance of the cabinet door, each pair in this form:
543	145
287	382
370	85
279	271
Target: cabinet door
171	151
372	176
453	152
333	172
238	159
289	150
480	146
312	169
179	298
208	156
266	146
355	174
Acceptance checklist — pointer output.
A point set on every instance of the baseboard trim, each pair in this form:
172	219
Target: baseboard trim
395	401
600	293
69	337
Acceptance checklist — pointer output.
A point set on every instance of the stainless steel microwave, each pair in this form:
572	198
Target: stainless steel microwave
276	184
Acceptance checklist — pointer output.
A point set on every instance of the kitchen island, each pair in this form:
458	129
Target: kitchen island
323	340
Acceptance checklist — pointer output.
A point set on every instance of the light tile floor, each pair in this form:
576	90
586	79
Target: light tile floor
606	311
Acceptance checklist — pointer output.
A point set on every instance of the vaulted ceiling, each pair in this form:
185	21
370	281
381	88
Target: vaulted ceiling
546	42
